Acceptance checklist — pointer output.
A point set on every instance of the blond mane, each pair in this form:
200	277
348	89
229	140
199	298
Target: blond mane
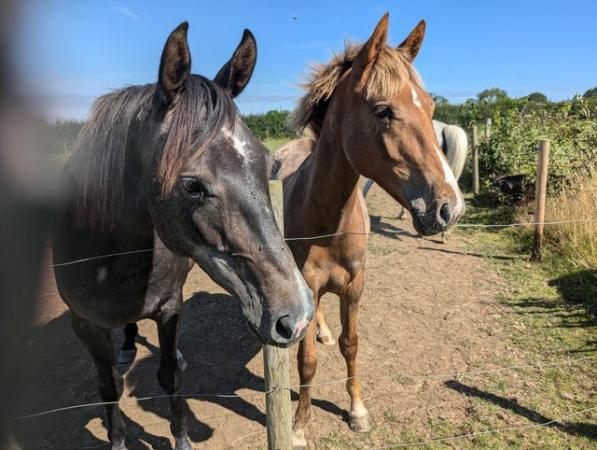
389	73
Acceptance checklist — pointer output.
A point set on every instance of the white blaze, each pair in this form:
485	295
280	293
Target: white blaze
416	100
451	180
239	146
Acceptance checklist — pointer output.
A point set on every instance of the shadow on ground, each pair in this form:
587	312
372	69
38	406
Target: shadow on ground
583	429
579	288
388	230
217	346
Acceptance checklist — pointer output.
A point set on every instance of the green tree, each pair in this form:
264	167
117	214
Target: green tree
492	95
591	93
537	97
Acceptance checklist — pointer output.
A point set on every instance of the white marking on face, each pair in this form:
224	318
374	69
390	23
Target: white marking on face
239	145
305	295
416	100
451	180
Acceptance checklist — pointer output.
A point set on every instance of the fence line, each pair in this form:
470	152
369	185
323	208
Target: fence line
340	233
367	377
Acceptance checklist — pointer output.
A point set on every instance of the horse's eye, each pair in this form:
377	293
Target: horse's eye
383	112
193	188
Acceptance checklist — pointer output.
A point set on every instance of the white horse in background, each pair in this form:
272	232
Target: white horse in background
453	142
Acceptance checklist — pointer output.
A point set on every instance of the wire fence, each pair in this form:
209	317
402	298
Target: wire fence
370	377
329	235
458	375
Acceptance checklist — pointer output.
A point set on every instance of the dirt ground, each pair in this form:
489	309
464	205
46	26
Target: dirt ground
425	312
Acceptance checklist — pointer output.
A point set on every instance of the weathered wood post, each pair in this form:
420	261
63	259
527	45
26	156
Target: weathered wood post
475	149
275	364
540	196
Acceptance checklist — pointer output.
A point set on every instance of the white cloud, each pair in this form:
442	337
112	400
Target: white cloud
127	12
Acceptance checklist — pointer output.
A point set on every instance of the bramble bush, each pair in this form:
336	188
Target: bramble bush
569	126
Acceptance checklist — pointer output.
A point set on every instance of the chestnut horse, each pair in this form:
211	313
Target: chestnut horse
371	117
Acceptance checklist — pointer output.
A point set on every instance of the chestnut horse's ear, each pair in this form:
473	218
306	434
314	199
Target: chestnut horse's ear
412	44
365	60
236	73
175	65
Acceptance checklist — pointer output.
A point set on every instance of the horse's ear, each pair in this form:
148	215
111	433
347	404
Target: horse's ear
412	44
236	73
175	65
367	56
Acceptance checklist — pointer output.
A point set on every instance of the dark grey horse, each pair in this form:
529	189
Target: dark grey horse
165	175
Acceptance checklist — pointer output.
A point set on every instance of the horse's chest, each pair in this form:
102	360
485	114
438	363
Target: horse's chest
331	269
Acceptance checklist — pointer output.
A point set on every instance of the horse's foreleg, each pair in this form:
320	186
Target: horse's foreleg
99	344
170	376
349	342
307	365
128	351
324	335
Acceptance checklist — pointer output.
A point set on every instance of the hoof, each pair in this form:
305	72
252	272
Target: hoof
444	238
182	364
182	444
359	424
326	339
298	440
126	356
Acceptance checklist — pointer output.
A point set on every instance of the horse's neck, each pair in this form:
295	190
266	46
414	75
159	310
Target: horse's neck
332	187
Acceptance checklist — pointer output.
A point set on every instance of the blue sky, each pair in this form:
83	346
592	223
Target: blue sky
73	51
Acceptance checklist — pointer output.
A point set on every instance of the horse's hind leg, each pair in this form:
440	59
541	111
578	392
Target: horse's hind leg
324	335
170	377
349	303
128	351
99	344
307	365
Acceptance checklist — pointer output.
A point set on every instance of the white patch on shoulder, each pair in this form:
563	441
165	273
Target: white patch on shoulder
239	145
416	100
451	180
102	275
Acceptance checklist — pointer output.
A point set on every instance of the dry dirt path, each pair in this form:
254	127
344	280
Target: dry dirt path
427	309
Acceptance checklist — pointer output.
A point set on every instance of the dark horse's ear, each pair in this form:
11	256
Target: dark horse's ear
236	73
412	44
365	60
175	65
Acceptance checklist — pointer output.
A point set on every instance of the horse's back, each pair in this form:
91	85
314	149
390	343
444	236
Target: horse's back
290	156
454	143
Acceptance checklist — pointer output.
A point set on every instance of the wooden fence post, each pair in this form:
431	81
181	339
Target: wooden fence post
475	148
275	363
540	196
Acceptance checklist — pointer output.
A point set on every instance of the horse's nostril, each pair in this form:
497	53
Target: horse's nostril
285	327
444	215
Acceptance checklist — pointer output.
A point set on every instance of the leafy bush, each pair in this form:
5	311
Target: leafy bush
512	148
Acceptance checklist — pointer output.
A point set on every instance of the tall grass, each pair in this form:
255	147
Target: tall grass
577	242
